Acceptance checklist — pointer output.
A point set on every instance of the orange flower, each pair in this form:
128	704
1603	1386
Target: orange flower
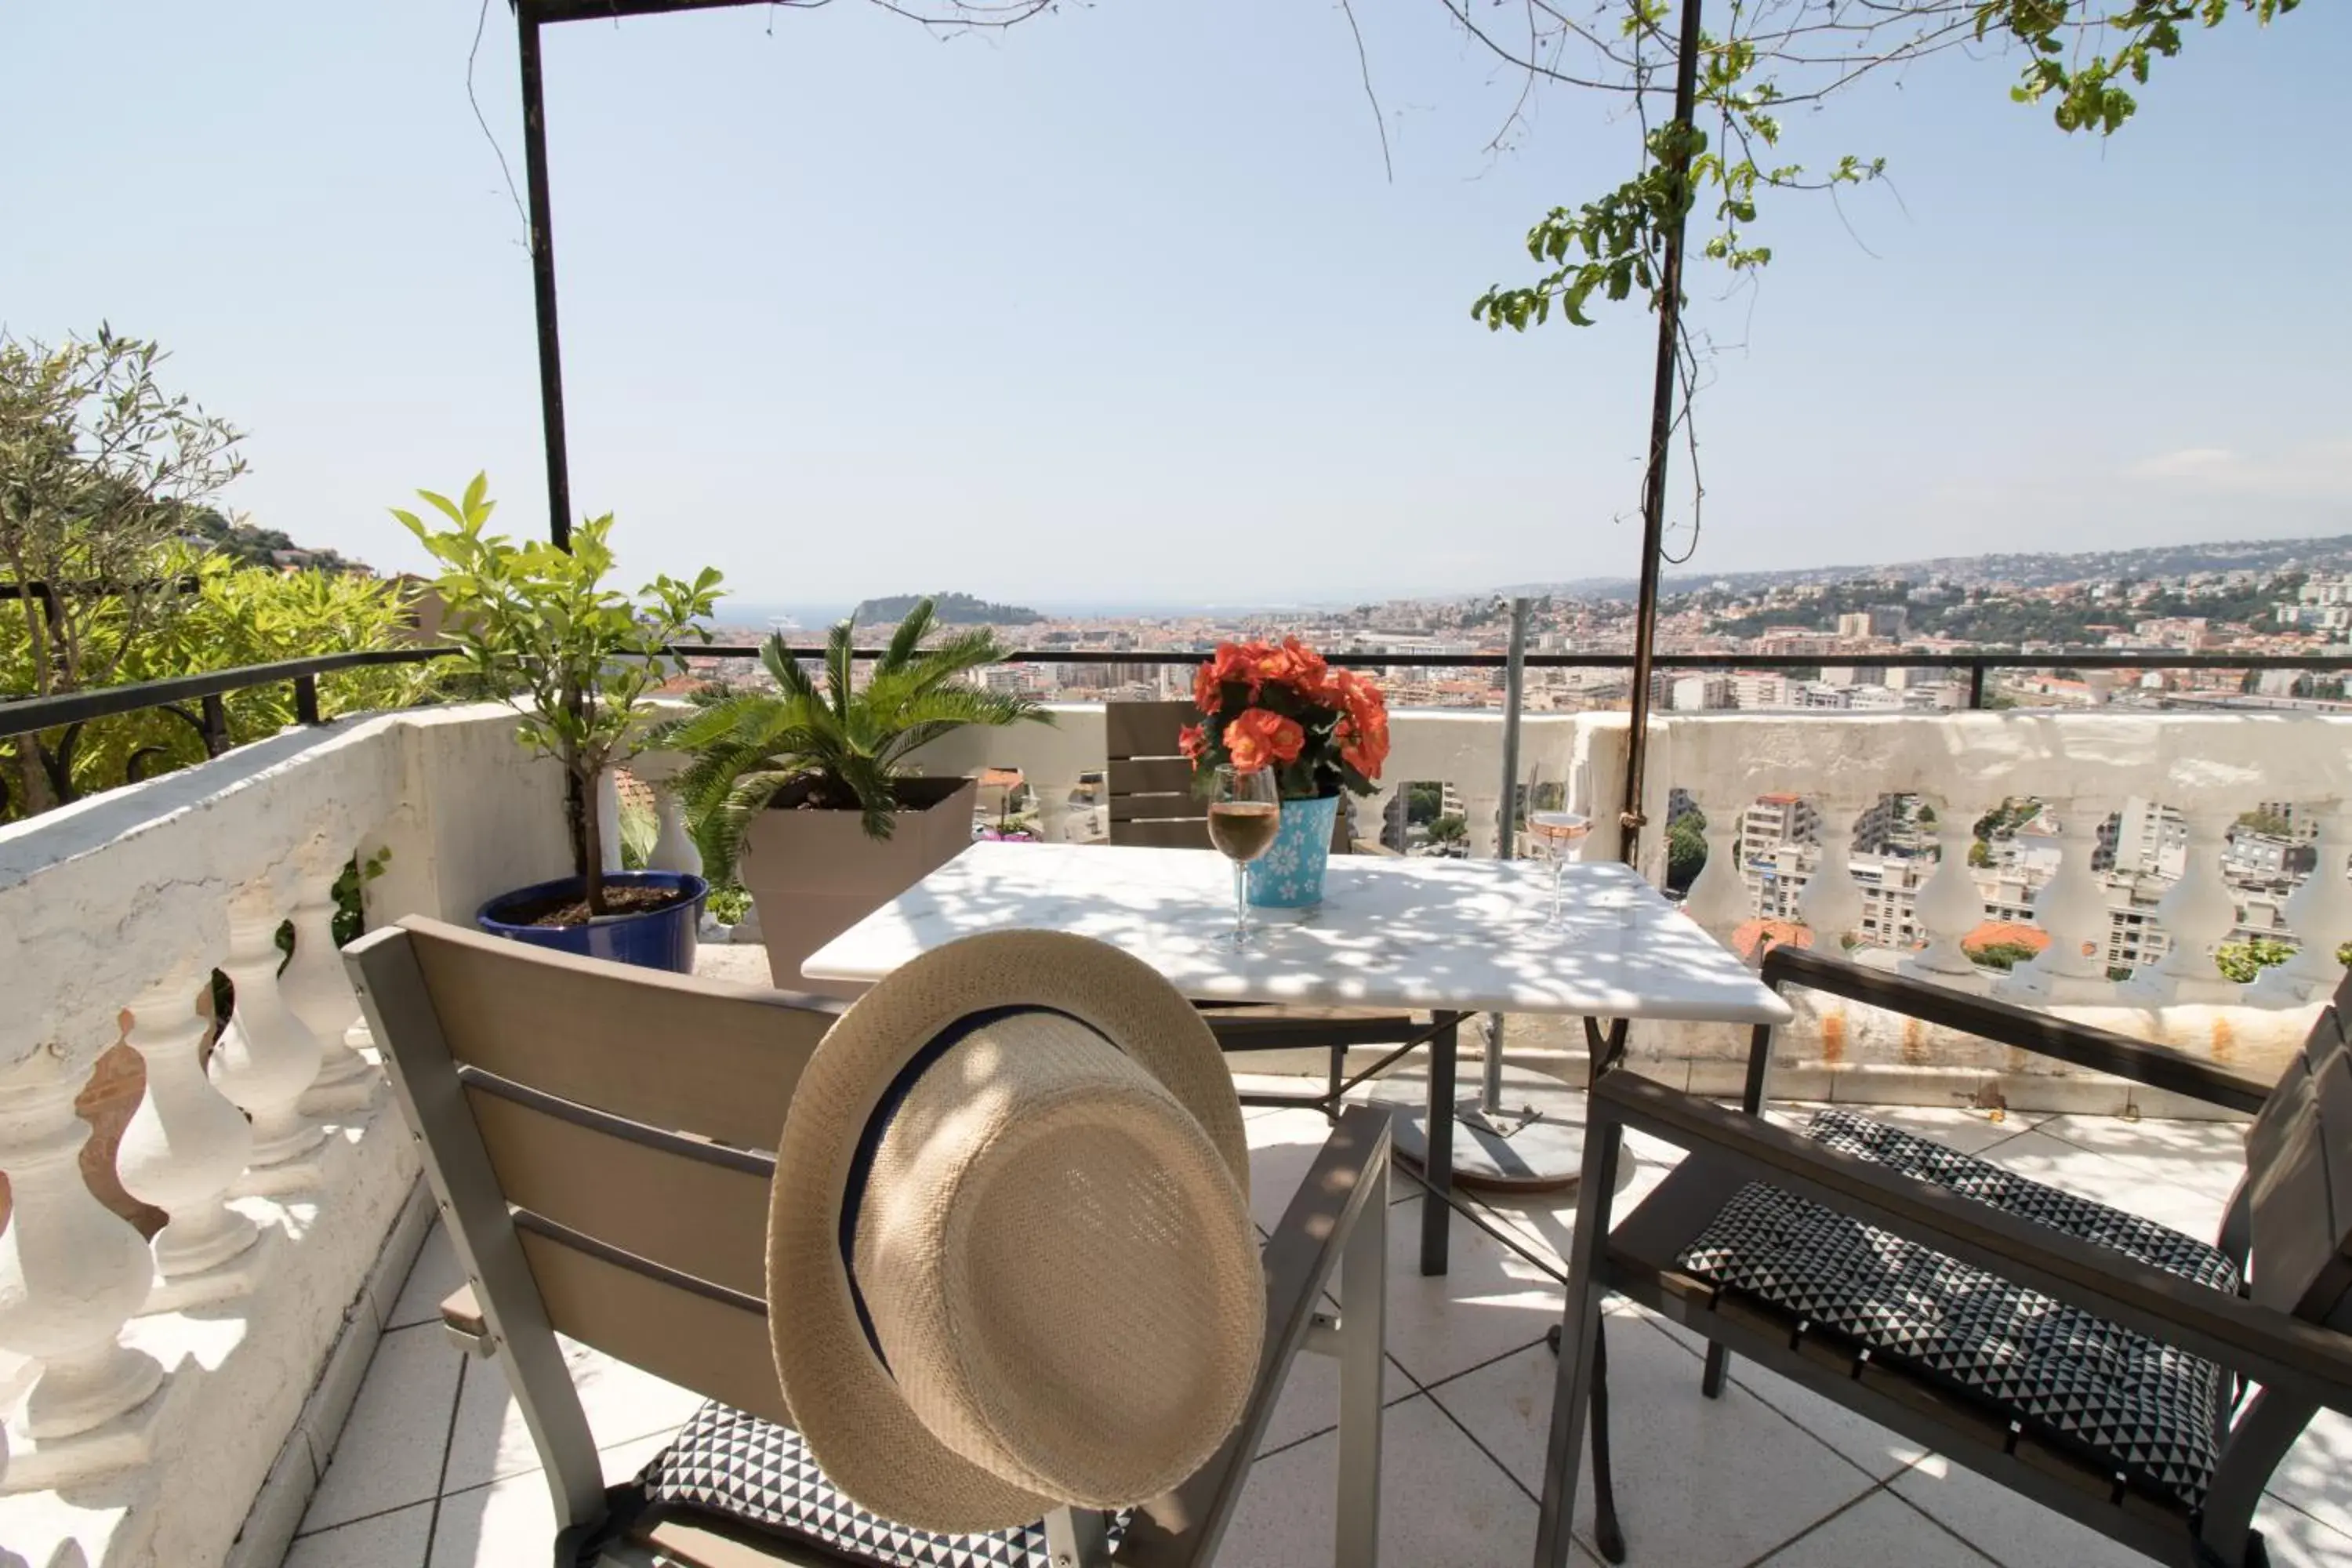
1293	664
1364	742
1191	742
1232	662
1261	736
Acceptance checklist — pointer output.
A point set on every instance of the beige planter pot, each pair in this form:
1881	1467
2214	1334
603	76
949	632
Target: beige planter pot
814	874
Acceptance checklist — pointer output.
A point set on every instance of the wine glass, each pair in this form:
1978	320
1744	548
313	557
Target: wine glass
1557	832
1244	813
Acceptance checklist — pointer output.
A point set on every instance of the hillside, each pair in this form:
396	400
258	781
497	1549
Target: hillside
951	609
250	546
2030	571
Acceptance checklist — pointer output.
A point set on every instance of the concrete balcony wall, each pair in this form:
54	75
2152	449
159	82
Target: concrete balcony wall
172	1397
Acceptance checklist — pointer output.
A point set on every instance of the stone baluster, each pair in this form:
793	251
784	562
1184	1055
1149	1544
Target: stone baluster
185	1145
1718	899
1485	813
1831	904
316	987
1949	905
2198	913
72	1272
267	1056
673	847
2071	909
2320	914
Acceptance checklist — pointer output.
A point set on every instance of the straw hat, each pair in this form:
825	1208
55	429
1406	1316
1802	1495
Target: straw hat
1010	1257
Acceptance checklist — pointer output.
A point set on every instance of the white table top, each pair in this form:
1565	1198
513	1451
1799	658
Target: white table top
1466	935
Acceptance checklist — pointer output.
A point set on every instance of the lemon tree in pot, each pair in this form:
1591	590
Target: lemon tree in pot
578	661
808	793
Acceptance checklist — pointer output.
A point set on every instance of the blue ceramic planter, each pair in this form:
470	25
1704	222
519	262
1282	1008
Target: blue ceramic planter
1290	875
663	939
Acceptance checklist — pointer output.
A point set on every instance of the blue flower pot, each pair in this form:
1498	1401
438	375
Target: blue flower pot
661	939
1290	875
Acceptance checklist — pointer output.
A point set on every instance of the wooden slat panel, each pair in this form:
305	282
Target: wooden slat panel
718	1061
700	1219
1163	835
1144	728
1151	775
719	1351
1157	809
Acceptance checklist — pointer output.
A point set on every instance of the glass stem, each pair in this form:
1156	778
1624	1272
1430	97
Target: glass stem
1241	902
1556	868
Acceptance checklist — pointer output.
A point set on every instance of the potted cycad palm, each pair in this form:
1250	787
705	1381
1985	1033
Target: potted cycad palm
577	660
808	793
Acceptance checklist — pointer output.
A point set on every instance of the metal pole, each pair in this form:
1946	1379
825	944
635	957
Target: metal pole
542	279
1662	431
1514	672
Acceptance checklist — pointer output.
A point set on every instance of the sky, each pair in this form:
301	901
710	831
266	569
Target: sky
1122	308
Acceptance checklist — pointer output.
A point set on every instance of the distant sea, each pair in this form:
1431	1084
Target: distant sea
814	616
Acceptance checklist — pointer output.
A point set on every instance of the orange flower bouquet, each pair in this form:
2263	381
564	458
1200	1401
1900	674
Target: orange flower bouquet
1279	706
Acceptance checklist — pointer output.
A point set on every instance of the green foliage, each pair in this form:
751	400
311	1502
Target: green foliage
639	827
2262	820
575	658
354	877
2242	961
1424	800
235	615
1715	167
1451	829
729	904
99	469
1685	850
2002	955
836	746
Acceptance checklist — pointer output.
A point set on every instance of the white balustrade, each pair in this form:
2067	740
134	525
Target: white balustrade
2320	914
185	1145
2071	909
266	1057
72	1271
1949	904
316	987
673	847
2198	913
1718	899
1831	904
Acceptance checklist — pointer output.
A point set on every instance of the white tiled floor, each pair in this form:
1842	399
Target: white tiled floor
435	1469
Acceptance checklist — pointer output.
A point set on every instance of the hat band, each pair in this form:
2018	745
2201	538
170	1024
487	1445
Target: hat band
877	1126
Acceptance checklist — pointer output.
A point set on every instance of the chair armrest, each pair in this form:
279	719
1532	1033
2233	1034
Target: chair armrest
1182	1528
2268	1346
2103	1050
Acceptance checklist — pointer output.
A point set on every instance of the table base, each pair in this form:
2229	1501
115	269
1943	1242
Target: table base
1535	1144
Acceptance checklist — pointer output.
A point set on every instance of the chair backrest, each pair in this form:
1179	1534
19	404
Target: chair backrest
1150	781
2299	1176
604	1138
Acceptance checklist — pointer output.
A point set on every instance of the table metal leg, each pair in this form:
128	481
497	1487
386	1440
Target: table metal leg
1437	1166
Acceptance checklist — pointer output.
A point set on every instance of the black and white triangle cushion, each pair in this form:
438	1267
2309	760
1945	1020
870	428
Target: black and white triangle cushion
2149	1410
757	1473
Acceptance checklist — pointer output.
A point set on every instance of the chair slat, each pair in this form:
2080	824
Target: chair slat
1164	835
719	1351
717	1061
2299	1180
1143	729
701	1219
1157	809
1153	775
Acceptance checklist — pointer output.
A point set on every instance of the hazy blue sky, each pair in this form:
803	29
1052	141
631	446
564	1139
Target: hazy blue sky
1120	306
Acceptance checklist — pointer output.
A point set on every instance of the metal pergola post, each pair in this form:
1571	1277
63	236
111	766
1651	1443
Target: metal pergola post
543	277
1662	435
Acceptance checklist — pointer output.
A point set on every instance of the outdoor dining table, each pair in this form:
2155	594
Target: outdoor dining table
1395	933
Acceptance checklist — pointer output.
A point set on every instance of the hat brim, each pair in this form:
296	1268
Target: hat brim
841	1398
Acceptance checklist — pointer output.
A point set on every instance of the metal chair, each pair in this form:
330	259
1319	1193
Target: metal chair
2089	1360
600	1139
1148	787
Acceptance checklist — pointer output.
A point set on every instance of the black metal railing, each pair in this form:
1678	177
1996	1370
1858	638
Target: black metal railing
197	700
